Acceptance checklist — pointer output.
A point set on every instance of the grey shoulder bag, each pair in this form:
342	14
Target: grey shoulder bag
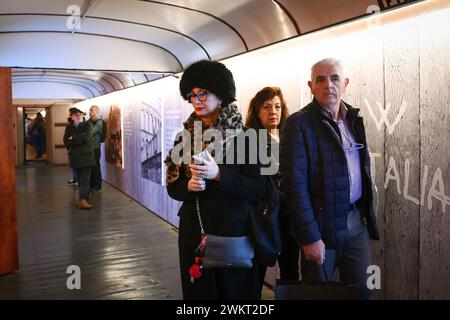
225	252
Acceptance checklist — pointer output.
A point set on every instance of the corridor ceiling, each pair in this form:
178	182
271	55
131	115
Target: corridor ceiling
100	46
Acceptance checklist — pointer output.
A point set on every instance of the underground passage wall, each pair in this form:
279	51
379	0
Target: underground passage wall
399	77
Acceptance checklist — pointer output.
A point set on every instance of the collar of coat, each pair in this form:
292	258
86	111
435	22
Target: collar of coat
80	124
229	117
349	112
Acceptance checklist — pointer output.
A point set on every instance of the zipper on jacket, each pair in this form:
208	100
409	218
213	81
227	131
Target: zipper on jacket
343	151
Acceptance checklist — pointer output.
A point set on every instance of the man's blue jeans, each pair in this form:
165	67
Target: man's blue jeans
83	178
352	261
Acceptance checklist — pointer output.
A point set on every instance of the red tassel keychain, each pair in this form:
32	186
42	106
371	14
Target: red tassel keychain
195	271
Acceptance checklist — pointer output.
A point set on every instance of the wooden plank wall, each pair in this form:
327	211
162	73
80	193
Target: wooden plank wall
401	79
370	91
9	257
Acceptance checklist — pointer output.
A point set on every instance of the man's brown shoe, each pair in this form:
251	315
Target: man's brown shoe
83	204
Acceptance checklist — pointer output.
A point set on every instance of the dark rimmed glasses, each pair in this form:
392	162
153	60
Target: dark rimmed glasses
201	96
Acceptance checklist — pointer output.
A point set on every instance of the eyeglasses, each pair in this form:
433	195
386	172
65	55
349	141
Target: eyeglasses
354	147
350	146
201	96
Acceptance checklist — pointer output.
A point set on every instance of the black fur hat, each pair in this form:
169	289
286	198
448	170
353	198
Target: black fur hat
212	76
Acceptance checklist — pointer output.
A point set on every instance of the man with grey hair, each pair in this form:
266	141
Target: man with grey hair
325	169
98	126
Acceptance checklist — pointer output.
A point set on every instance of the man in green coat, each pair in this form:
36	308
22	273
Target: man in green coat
78	139
97	132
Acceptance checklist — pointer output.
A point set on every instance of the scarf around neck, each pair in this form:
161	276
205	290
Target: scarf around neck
229	117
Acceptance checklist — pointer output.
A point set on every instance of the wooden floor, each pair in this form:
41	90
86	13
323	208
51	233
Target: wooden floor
30	154
124	251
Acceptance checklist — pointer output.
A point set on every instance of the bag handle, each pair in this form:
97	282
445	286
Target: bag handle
325	272
197	204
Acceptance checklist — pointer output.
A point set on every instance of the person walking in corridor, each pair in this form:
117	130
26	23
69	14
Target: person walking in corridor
98	125
78	139
37	133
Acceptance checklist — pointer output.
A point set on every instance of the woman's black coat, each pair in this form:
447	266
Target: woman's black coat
225	207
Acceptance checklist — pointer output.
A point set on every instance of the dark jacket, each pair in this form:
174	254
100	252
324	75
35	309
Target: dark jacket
79	142
37	128
97	131
315	179
225	204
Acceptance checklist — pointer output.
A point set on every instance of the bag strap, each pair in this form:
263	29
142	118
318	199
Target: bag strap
325	272
197	203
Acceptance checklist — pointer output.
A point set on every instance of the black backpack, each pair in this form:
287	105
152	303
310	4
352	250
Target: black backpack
265	227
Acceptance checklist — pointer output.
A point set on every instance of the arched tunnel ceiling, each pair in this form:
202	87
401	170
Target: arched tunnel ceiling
121	43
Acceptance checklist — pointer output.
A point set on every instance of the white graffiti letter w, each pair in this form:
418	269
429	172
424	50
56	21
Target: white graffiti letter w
384	115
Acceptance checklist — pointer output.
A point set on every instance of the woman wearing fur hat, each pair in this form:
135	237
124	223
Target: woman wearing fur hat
224	193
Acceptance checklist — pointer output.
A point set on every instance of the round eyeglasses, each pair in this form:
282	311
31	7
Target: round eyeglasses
201	96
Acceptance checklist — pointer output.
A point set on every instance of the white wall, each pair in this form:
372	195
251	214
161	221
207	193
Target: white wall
49	91
74	51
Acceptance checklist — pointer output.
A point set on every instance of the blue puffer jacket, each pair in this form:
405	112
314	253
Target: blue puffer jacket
315	179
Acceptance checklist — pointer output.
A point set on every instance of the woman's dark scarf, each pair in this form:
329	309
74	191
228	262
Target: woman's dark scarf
229	118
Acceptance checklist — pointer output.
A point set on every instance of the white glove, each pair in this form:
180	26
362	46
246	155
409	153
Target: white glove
207	169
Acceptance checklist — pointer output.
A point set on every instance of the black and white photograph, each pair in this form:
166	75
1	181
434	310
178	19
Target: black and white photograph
151	142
